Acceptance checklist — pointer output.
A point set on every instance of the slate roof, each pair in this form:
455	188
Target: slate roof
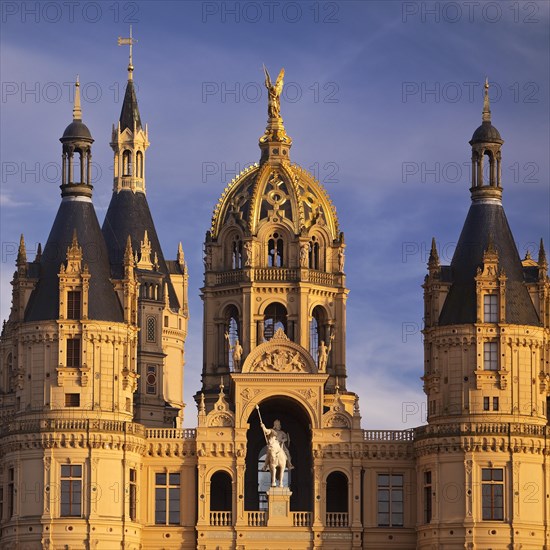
129	214
44	301
485	220
130	110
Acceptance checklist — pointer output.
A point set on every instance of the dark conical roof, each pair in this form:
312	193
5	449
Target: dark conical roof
130	110
129	214
103	305
484	222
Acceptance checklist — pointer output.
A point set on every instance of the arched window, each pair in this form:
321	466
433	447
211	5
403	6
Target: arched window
275	317
139	164
314	262
337	500
220	492
232	330
318	329
236	253
275	249
127	163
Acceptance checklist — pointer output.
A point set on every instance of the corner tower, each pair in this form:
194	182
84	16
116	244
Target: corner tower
162	302
486	377
67	377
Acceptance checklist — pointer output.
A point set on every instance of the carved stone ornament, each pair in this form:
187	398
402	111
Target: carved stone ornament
280	355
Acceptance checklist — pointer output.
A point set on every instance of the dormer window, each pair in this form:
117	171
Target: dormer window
490	308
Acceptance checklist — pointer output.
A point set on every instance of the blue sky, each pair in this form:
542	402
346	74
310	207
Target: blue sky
381	100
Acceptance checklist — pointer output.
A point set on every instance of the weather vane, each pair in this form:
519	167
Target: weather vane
130	41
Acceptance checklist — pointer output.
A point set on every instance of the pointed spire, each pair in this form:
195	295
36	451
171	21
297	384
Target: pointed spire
128	252
129	115
77	110
180	257
433	261
543	262
38	256
22	254
486	115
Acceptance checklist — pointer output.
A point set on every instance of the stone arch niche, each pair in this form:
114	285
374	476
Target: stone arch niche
296	422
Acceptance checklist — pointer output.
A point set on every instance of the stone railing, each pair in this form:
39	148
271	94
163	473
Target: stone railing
256	519
388	435
301	519
220	519
481	428
337	519
171	433
72	424
276	274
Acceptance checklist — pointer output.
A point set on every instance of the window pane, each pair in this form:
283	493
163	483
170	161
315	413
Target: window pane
160	479
383	480
397	481
498	474
174	479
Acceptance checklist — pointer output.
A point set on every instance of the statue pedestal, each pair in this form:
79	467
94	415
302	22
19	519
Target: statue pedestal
278	507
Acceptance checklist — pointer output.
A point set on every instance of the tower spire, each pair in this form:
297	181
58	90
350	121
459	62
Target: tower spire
77	110
486	115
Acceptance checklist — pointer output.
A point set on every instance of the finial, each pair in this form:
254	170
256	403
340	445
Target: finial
202	405
22	252
486	115
275	130
128	252
180	256
543	262
130	41
221	385
433	260
77	110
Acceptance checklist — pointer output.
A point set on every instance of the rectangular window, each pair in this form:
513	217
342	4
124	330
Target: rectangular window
167	499
427	497
73	304
495	403
490	356
390	500
73	352
133	494
11	492
492	494
151	332
72	400
151	380
490	308
71	490
485	403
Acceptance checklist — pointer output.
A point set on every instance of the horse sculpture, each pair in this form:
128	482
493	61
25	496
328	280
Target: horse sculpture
275	460
278	456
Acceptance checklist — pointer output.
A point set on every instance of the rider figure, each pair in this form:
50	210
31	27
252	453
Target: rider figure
276	434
